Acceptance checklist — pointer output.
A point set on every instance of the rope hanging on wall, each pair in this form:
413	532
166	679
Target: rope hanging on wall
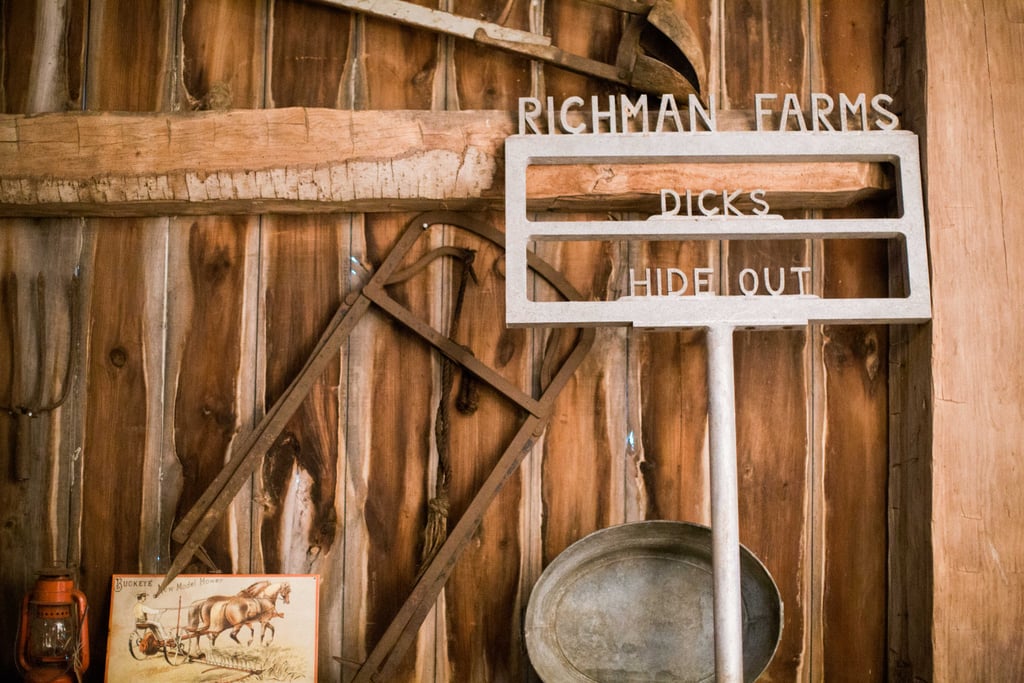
467	401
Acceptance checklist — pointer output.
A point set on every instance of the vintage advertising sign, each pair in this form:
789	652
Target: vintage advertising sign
758	295
213	627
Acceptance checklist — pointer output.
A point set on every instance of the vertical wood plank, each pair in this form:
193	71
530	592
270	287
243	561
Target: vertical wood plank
213	298
125	370
395	453
223	54
855	364
208	265
765	51
123	417
298	523
586	441
911	576
38	260
672	379
598	42
18	35
387	380
127	73
671	367
977	242
41	55
300	496
488	78
40	70
482	629
307	54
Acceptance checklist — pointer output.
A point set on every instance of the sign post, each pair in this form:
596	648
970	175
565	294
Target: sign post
725	525
673	303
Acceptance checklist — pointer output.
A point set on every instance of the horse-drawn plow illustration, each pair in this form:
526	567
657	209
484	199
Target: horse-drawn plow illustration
213	628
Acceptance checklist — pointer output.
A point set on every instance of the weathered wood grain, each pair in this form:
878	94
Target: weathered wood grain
348	159
855	363
911	576
43	45
41	60
483	631
17	36
125	73
389	373
308	45
122	452
586	448
223	48
974	164
213	299
672	379
298	525
670	369
397	454
770	55
121	446
309	160
485	78
598	42
40	70
207	309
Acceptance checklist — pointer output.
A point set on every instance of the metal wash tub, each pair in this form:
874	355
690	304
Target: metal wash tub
635	603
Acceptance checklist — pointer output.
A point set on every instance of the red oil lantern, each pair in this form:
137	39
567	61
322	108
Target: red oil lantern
53	641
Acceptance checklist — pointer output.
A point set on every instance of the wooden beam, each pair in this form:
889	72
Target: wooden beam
305	160
976	241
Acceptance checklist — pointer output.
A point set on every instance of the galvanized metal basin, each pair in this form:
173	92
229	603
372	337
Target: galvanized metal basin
633	603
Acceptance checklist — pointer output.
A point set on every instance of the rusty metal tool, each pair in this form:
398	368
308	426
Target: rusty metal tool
200	520
655	32
655	37
386	655
39	400
202	517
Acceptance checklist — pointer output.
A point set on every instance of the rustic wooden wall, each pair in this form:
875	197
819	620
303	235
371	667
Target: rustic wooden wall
974	161
192	327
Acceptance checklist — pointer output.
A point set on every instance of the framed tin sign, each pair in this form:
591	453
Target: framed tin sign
213	627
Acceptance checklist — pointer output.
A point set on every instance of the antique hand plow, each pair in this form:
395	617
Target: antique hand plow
200	520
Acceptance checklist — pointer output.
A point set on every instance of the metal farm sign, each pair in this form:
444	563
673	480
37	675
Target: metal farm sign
760	296
674	297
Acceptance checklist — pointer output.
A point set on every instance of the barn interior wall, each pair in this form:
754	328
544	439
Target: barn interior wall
191	327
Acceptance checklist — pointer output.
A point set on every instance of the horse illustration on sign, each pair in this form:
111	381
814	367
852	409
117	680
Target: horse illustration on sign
177	637
255	604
